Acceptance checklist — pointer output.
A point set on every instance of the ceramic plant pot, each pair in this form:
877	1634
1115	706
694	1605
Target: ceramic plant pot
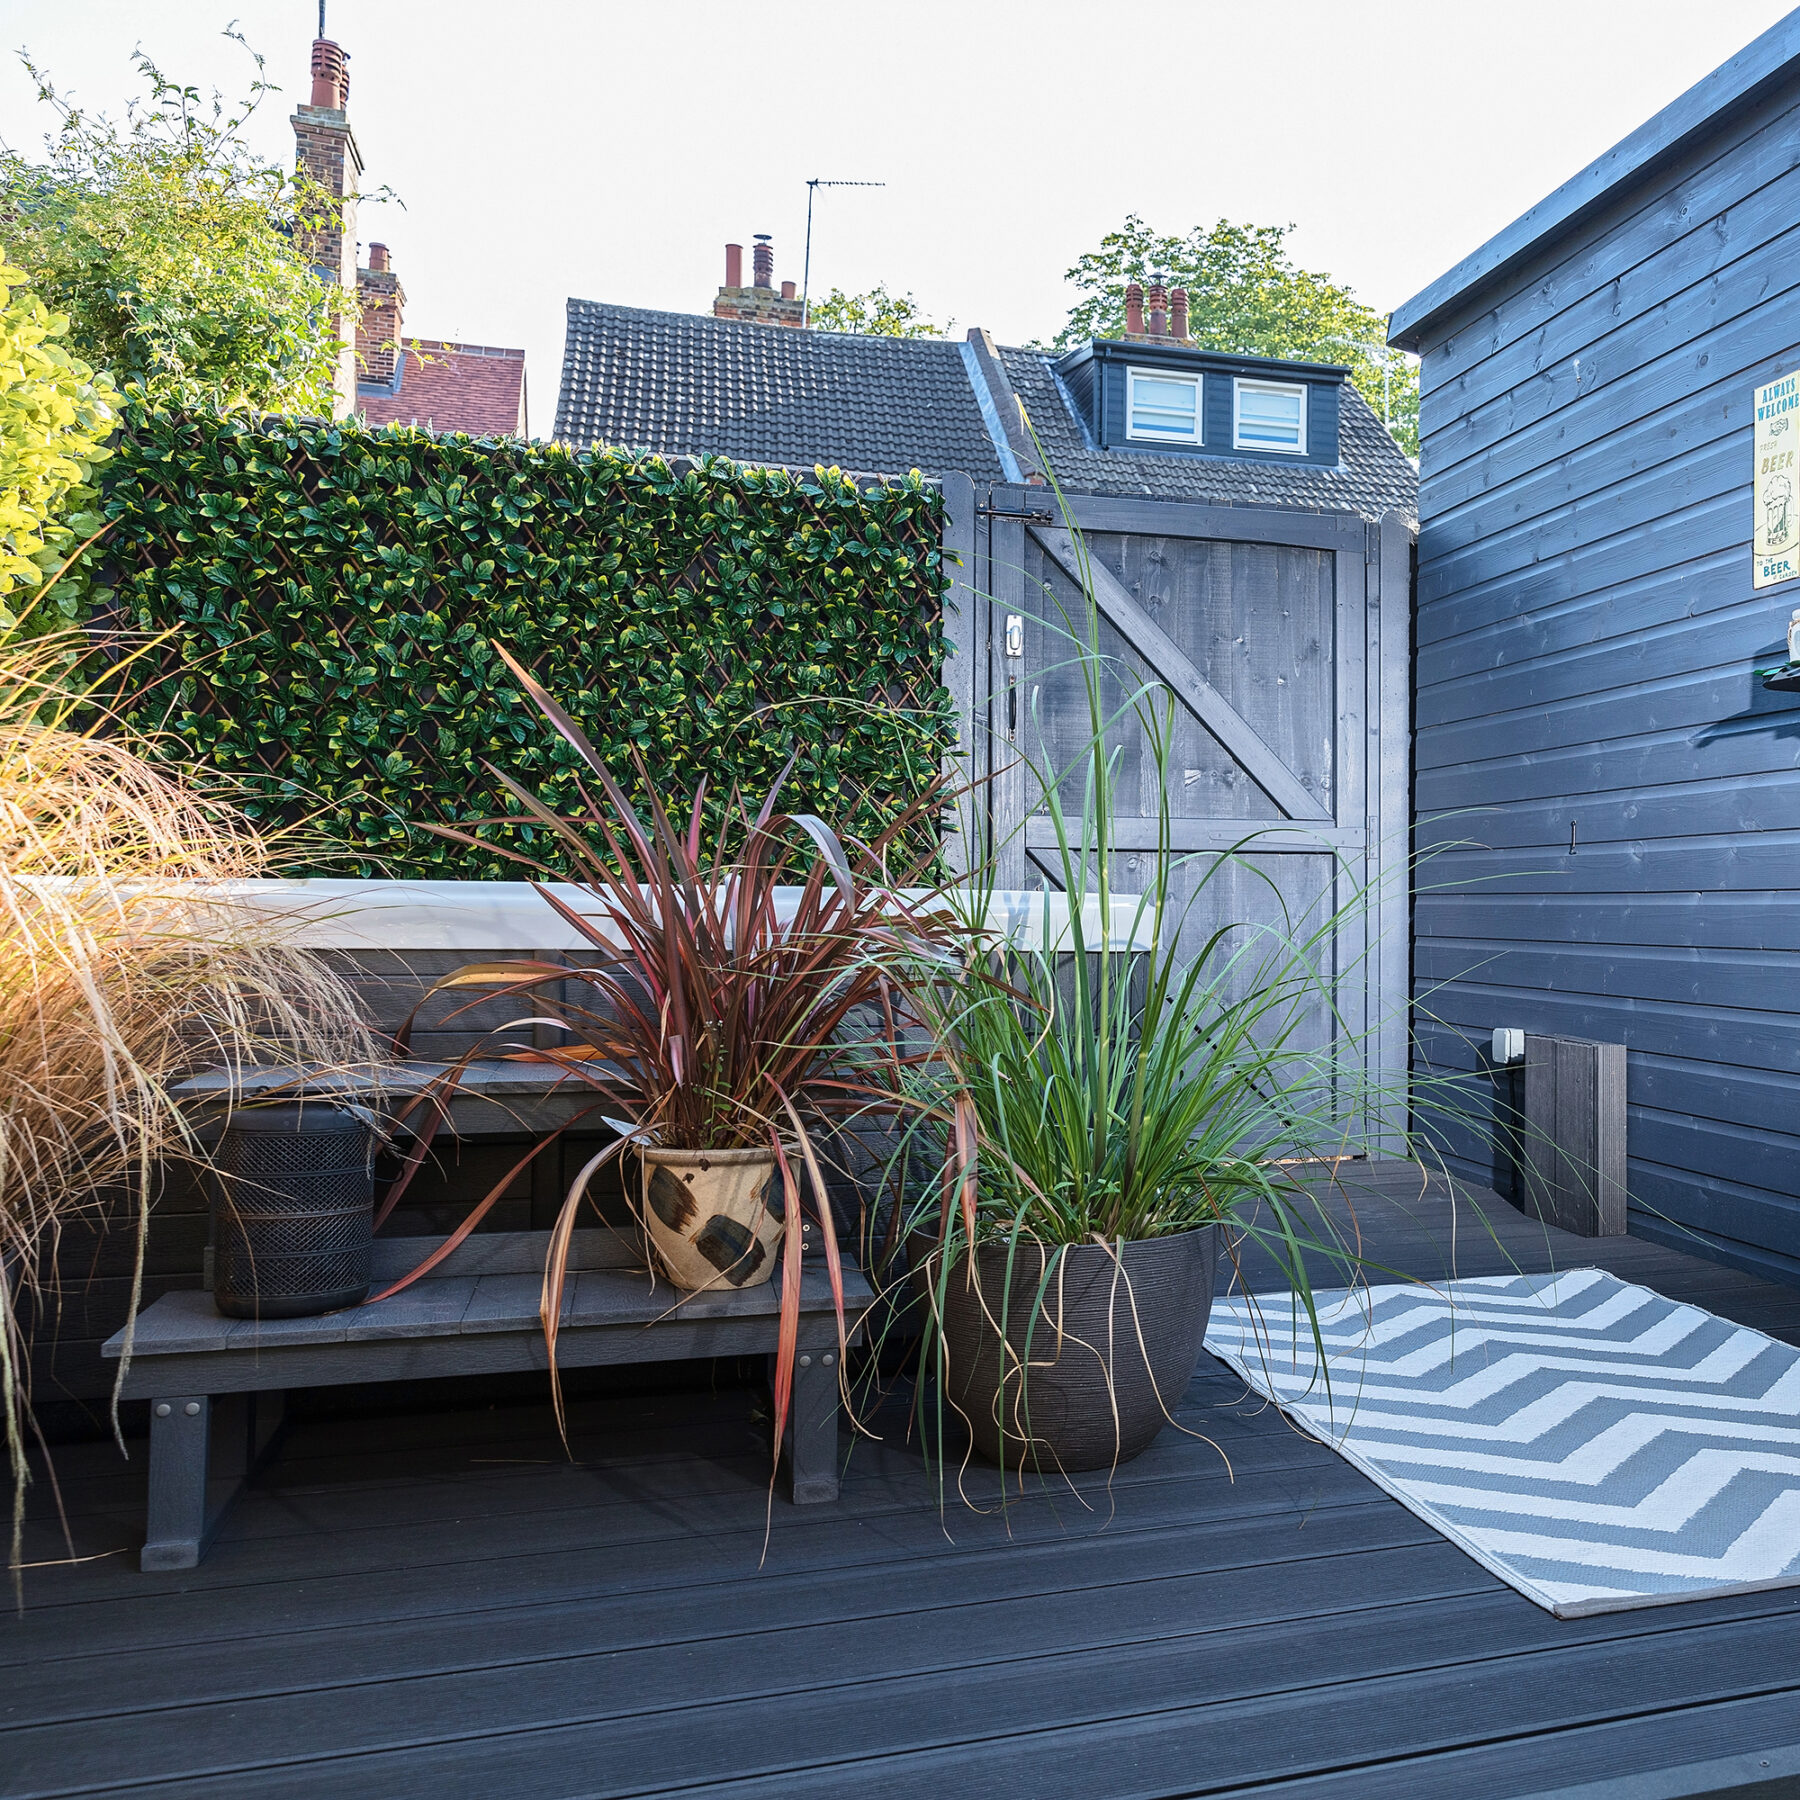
715	1217
1097	1393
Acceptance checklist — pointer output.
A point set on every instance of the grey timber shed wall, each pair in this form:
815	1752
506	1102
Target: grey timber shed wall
1586	635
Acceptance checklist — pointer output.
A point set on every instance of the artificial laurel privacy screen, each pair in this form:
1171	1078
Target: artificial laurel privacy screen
332	596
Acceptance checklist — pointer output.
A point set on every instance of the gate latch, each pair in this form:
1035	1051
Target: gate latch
1015	635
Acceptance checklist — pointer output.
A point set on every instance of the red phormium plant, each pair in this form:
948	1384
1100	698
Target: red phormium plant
729	998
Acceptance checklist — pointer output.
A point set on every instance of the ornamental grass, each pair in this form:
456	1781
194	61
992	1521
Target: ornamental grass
1107	1087
126	963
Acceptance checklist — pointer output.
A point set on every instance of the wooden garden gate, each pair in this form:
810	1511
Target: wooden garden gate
1284	637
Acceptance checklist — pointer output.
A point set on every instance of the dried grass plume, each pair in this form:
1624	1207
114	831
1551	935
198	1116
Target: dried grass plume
126	962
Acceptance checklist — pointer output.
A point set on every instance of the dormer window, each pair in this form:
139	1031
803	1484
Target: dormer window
1162	408
1269	415
1162	396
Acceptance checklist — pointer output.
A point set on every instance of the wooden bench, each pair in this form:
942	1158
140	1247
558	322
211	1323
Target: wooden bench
493	1098
216	1385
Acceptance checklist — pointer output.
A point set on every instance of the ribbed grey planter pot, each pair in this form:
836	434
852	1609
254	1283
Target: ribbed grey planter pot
1099	1394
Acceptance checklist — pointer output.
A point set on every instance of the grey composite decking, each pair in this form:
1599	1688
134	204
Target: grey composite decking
440	1604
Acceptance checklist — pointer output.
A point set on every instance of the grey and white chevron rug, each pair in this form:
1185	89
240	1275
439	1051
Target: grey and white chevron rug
1593	1444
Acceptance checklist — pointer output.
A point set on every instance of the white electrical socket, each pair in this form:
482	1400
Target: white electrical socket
1509	1044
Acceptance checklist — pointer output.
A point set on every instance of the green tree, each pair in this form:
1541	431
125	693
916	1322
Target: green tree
1247	296
874	314
55	416
174	250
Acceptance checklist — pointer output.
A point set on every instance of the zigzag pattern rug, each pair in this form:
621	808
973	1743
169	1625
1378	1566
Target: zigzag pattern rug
1593	1444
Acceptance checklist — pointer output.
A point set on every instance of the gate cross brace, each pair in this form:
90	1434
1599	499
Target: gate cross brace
1160	652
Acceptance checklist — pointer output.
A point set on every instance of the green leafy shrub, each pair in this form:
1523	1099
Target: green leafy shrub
178	253
332	597
55	415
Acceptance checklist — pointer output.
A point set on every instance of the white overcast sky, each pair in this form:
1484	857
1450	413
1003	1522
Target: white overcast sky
609	148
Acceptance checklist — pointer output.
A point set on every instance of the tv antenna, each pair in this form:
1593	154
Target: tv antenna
806	268
1380	354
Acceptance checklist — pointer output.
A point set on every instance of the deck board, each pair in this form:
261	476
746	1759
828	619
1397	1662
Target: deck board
440	1603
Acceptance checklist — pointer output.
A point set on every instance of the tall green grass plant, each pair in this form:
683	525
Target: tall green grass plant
1107	1085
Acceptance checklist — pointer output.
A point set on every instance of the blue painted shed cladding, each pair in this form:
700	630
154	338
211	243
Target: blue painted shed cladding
1586	639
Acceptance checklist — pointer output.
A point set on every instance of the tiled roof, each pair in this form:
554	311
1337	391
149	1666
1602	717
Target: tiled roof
1372	475
684	385
452	387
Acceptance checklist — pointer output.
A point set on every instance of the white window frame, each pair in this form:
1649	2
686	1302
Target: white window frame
1133	375
1239	384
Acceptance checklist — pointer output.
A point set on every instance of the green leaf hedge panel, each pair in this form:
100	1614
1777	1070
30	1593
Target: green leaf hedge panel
327	599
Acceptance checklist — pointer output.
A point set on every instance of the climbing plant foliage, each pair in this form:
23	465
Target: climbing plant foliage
332	598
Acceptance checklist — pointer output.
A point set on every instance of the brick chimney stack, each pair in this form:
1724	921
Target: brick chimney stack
1134	310
327	152
759	303
378	326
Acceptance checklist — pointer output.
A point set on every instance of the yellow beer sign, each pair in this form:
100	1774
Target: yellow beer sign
1775	541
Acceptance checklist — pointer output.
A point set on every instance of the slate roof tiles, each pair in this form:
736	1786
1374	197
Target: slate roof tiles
684	385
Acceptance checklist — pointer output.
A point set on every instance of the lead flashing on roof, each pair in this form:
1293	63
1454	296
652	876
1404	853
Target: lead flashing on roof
990	414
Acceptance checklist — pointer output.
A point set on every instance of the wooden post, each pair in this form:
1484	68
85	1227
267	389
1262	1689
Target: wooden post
180	1435
812	1434
1574	1135
197	1472
1390	804
964	623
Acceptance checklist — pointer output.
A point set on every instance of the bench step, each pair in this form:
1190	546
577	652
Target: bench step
188	1324
477	1313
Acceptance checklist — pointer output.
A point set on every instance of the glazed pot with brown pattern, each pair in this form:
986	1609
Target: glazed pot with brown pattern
714	1218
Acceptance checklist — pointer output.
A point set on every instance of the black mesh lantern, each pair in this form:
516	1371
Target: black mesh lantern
293	1212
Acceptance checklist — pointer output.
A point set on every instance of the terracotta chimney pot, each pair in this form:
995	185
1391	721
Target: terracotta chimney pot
378	256
734	265
1134	310
789	290
330	75
1159	307
763	261
1178	314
